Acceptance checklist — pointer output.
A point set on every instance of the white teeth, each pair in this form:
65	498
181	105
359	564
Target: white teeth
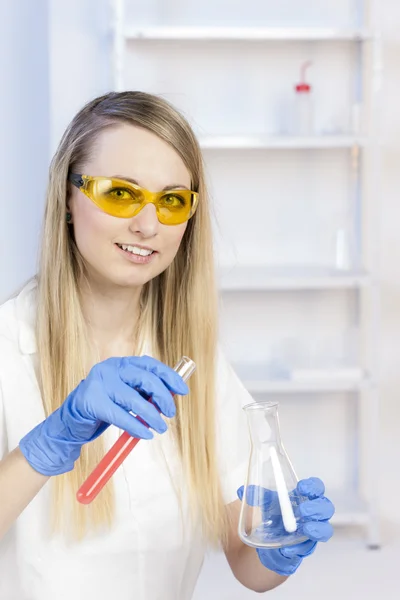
136	250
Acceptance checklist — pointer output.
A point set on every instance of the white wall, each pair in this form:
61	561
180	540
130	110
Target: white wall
24	136
79	49
63	61
390	264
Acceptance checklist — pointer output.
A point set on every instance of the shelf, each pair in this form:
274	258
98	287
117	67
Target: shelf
249	34
262	278
254	376
283	142
304	387
349	510
317	386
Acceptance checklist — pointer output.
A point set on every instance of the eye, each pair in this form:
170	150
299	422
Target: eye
120	194
173	201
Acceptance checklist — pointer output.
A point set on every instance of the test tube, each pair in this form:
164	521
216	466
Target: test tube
113	459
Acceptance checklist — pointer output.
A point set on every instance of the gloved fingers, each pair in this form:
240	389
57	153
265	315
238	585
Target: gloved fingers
312	488
132	401
118	416
257	496
300	550
319	509
168	376
318	531
150	384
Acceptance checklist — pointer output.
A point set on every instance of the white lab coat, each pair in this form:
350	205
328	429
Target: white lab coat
153	552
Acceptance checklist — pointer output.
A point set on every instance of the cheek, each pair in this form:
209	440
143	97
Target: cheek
92	229
173	238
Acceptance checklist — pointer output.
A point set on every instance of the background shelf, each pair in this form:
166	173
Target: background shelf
263	278
301	381
350	510
304	387
286	34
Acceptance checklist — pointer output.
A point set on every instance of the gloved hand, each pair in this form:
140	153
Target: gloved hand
107	396
314	513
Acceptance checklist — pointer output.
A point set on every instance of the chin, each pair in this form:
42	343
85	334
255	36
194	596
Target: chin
134	280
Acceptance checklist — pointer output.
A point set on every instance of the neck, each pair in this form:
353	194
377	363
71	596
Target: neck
112	315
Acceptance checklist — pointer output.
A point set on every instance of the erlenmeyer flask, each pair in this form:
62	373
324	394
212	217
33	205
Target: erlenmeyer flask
269	514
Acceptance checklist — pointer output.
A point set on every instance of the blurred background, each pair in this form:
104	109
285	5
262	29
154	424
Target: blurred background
296	107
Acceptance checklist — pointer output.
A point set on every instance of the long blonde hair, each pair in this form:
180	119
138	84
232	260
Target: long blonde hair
179	307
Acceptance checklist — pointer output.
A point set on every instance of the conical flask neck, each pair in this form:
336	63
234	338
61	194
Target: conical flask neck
263	423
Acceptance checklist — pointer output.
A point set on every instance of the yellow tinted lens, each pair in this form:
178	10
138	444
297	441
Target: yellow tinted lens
174	207
116	197
120	198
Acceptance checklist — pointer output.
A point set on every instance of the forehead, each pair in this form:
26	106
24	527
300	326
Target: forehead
133	152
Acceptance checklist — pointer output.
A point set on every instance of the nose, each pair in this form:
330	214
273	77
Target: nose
145	223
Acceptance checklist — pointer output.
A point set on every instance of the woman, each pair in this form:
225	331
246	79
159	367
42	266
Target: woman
125	273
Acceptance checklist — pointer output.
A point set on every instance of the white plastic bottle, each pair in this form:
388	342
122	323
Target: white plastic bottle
303	113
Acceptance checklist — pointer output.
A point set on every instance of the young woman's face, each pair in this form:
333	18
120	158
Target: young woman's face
128	152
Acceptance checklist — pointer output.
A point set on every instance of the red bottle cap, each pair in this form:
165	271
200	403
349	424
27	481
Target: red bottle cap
303	87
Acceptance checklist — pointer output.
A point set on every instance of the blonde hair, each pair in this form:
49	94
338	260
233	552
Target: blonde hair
179	307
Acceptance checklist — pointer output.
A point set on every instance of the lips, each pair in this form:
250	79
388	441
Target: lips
136	249
136	254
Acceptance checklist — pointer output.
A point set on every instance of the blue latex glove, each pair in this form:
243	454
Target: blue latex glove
315	513
107	396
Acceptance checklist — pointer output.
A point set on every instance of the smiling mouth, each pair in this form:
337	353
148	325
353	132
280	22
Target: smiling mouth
136	250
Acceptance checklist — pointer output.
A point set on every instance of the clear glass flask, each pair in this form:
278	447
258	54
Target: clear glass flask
269	516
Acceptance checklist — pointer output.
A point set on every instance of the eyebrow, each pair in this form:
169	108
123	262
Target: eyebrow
174	186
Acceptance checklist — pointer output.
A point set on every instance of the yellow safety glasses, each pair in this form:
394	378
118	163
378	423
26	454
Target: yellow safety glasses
121	198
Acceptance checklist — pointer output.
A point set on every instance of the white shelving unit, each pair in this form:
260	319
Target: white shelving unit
249	34
350	511
326	384
261	278
361	147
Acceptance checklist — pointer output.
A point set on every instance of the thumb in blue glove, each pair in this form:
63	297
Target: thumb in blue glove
315	513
